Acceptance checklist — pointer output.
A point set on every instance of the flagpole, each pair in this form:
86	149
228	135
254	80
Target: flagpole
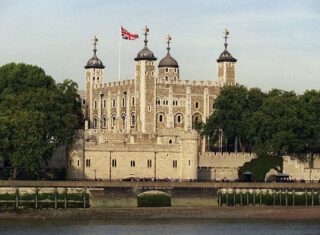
120	54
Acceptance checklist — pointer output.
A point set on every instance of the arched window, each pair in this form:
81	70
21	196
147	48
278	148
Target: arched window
104	121
170	141
95	122
133	120
166	78
160	118
179	118
164	102
197	105
167	70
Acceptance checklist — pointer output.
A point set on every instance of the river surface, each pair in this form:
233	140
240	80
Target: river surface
157	226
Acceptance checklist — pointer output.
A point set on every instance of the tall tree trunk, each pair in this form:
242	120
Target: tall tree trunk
242	146
14	173
311	160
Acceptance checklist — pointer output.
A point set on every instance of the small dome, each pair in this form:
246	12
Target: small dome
145	54
225	56
94	62
168	61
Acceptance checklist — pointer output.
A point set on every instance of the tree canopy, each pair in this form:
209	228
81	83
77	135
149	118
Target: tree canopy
36	115
274	123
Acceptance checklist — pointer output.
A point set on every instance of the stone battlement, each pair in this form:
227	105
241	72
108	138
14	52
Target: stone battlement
218	159
188	82
114	84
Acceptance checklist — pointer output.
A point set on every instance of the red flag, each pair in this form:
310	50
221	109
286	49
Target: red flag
128	36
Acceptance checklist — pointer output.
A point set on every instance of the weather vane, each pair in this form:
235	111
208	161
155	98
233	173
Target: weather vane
226	34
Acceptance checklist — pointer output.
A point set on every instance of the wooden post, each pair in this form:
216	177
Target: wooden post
234	197
286	197
227	198
254	197
84	197
247	197
241	197
312	197
65	198
36	199
17	198
219	198
306	196
55	198
293	196
274	197
280	196
260	198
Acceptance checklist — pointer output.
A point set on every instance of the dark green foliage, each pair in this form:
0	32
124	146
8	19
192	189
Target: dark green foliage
260	166
45	200
271	124
268	200
154	200
36	115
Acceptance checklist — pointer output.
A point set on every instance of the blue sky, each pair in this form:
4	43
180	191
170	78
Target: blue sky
276	42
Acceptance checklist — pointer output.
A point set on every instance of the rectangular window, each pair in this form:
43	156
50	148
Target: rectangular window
113	103
88	163
123	102
133	164
78	162
70	162
132	103
104	103
114	162
175	163
149	163
189	162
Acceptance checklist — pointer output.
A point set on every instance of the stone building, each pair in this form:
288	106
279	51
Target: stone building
143	127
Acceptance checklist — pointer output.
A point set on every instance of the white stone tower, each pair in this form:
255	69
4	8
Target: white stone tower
146	88
94	76
226	66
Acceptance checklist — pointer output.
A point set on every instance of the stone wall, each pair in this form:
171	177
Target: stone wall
105	156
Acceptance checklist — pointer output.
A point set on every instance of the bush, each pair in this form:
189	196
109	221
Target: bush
154	200
260	166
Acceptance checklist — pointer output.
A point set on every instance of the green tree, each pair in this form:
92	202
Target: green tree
38	115
233	115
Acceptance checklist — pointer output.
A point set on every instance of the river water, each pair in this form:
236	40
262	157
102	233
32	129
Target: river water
157	226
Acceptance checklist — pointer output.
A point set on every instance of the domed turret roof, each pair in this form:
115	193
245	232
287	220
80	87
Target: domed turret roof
168	61
226	56
94	62
145	53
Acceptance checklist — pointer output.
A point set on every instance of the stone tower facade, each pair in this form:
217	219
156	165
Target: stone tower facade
143	127
226	66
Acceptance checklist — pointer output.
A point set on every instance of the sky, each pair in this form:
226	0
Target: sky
276	42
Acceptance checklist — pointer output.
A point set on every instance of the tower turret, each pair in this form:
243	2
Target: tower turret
168	66
226	65
94	75
146	88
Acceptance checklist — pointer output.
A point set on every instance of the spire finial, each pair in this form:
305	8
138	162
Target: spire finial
146	31
168	42
226	33
95	40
